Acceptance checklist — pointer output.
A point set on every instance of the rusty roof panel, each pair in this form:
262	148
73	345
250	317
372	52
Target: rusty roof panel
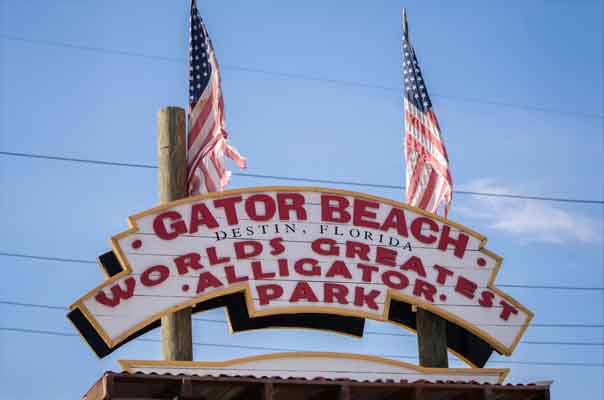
154	386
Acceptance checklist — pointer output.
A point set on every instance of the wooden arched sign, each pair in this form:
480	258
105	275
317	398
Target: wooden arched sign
296	256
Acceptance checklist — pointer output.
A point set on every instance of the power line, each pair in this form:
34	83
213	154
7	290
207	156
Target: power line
79	160
550	287
95	49
46	258
38	331
32	305
535	342
221	321
75	260
298	179
267	348
298	76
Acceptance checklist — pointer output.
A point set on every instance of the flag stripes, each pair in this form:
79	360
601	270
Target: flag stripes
207	136
428	179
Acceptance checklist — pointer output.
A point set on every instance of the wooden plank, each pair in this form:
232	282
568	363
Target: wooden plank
108	384
268	391
431	339
487	394
176	329
344	392
186	390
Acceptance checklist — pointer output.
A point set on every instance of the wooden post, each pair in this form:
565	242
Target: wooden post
268	391
344	393
176	331
431	339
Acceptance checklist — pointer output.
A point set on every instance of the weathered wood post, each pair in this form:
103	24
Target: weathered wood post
431	339
176	331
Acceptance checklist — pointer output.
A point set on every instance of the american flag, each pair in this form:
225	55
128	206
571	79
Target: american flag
207	138
428	181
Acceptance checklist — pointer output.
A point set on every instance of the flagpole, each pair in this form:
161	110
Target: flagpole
176	330
404	22
431	329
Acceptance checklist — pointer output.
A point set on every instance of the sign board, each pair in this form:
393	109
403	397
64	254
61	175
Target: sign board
297	250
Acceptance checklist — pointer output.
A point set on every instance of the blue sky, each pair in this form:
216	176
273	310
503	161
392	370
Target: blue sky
67	101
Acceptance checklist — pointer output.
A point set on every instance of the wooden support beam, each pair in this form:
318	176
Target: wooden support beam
269	391
418	394
431	339
487	394
344	393
242	392
176	330
186	390
109	386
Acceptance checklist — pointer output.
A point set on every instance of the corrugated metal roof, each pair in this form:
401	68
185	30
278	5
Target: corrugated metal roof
167	386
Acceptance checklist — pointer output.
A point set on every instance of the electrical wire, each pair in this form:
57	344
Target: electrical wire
221	321
75	260
297	76
298	179
267	348
46	258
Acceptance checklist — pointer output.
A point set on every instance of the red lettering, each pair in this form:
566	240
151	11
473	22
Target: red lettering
117	293
251	207
259	274
486	299
385	256
460	244
231	275
335	291
267	293
508	309
207	280
291	202
361	212
303	291
325	247
338	268
396	219
277	246
443	273
200	215
230	211
417	228
465	287
337	212
423	288
360	298
247	249
283	267
184	262
357	249
395	280
368	271
160	274
177	225
414	263
213	257
315	269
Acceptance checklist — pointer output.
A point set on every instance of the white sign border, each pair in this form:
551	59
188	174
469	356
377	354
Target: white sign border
330	363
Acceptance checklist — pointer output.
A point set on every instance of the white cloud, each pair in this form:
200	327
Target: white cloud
529	220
